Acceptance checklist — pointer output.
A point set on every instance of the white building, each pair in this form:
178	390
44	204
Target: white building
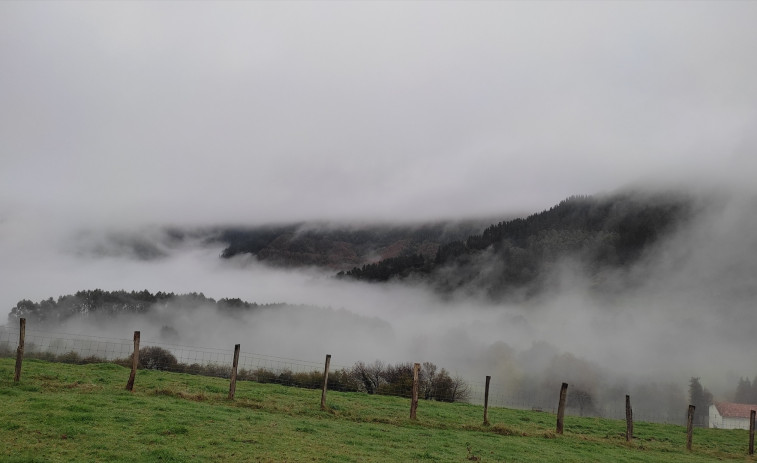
726	415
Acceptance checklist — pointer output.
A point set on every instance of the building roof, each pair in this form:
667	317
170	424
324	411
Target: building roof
731	410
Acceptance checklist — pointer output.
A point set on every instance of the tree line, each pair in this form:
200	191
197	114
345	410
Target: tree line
376	378
746	391
100	303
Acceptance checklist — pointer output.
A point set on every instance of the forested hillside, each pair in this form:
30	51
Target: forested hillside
511	257
597	233
341	247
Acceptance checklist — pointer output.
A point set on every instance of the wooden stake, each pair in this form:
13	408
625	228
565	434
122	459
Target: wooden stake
690	426
134	363
325	381
414	400
20	350
486	401
561	408
234	364
751	431
629	419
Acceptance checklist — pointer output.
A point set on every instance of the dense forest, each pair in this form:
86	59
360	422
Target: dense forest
105	304
340	247
515	256
596	233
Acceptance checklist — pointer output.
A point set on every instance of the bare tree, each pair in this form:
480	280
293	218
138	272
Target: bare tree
460	390
582	400
369	376
427	378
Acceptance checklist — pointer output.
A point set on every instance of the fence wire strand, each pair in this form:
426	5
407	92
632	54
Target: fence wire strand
84	349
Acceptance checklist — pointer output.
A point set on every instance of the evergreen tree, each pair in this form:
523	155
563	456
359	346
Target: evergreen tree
743	391
700	398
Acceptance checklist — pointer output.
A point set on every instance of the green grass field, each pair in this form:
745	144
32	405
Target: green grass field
61	412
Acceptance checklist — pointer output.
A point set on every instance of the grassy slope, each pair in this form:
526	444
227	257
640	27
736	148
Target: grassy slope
62	412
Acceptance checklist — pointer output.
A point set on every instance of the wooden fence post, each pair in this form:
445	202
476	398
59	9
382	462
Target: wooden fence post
325	381
629	419
561	408
234	364
134	363
414	400
690	426
486	401
20	350
751	431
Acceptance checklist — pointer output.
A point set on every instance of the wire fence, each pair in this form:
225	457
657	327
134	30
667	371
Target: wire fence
83	349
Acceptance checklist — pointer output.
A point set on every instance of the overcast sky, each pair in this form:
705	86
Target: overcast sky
198	112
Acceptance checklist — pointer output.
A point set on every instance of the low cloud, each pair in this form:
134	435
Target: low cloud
689	311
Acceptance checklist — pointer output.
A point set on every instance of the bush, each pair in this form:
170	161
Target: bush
156	358
343	381
264	376
397	380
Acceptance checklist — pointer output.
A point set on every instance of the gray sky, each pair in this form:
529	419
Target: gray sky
201	112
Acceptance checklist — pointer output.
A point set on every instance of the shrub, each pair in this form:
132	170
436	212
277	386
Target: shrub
156	358
343	381
262	375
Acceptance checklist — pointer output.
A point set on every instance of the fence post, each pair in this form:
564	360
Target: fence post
234	364
561	408
20	350
486	401
629	419
689	426
325	381
414	400
134	363
751	431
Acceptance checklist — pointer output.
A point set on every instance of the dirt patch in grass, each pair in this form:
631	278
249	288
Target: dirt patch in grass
54	385
503	430
194	396
244	403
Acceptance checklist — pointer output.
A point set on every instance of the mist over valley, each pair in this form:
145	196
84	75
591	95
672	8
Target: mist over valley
605	325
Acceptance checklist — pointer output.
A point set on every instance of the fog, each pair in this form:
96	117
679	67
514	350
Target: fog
686	309
119	119
281	111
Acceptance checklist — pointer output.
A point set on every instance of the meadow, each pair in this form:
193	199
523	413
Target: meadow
63	412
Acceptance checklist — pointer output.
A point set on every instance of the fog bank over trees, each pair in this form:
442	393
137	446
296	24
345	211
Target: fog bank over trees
683	309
